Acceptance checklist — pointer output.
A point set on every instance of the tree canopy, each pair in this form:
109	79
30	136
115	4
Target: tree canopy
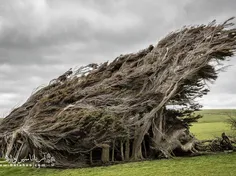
123	108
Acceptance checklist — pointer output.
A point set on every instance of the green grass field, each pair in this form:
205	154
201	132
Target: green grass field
211	125
222	165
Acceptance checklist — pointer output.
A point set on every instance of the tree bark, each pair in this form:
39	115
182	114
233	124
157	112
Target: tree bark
145	150
136	147
148	120
105	153
157	127
91	157
127	149
122	150
113	151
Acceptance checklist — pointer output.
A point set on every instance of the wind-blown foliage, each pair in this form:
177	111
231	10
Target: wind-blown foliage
122	108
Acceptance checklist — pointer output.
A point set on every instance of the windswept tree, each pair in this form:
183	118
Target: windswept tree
122	110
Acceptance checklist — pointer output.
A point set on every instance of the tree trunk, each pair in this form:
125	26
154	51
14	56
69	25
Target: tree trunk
157	128
148	120
91	157
113	151
105	153
145	150
136	147
19	152
34	158
122	150
137	155
127	149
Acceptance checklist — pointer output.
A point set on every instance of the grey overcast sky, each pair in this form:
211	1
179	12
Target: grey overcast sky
41	39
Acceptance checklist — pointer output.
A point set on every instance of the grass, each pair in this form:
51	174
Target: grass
211	125
216	115
222	164
209	131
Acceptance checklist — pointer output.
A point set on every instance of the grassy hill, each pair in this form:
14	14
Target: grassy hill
212	124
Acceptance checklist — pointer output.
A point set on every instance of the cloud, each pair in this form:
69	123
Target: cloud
41	39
